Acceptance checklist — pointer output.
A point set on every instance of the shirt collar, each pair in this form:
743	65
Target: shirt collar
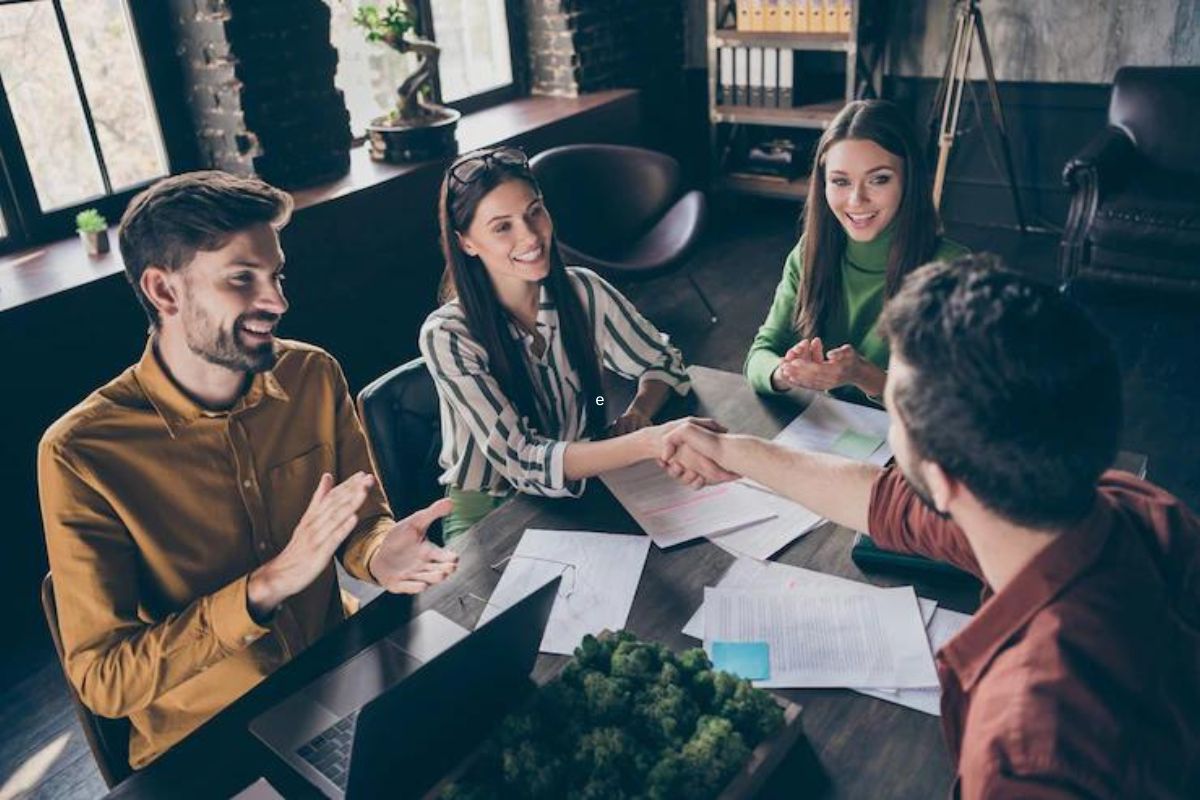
546	321
1002	616
173	405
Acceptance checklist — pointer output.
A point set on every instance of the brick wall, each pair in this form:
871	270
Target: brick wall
579	46
259	75
584	45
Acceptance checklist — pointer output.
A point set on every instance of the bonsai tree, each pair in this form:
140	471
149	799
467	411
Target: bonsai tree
394	24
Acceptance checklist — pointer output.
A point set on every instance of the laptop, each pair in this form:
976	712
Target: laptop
402	713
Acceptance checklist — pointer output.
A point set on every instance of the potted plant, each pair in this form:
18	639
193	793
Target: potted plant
93	231
416	129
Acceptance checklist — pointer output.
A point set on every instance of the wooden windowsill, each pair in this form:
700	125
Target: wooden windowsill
47	270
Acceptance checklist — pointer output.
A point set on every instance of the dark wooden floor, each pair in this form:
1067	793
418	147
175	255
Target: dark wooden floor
42	750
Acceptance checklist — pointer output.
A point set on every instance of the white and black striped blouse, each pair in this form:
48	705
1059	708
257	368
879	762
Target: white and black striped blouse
485	445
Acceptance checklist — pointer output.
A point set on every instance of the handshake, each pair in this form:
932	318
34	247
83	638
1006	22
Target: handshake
693	451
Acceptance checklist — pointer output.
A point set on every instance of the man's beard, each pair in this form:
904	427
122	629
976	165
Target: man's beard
921	490
225	348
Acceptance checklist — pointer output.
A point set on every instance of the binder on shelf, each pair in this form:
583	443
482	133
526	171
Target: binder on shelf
786	73
757	19
743	15
800	16
741	77
816	16
844	18
832	12
787	13
725	76
771	15
771	77
756	77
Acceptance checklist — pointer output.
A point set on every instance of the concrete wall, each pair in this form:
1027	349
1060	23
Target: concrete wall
1052	41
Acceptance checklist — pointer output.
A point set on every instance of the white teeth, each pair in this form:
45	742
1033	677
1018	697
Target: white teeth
532	255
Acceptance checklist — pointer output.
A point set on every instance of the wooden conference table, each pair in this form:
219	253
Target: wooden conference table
856	746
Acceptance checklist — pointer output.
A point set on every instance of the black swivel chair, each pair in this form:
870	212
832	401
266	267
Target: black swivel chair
400	413
108	738
621	211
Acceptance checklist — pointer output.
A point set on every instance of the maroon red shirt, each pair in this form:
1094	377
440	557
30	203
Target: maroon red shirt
1082	677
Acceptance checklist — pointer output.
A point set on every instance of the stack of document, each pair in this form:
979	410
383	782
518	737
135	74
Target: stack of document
600	575
939	630
671	513
817	630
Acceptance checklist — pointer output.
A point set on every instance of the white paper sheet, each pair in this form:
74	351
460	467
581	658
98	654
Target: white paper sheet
939	630
822	639
747	573
762	540
600	574
827	420
671	513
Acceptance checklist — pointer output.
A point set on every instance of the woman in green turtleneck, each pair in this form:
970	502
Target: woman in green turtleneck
869	220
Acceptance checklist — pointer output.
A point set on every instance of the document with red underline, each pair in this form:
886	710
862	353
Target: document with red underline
671	513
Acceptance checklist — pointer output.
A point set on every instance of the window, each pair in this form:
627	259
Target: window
475	69
78	123
476	56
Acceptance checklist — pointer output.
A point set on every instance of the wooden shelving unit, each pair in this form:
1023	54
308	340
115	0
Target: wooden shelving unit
860	74
763	186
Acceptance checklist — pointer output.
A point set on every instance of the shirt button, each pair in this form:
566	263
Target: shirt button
263	546
247	483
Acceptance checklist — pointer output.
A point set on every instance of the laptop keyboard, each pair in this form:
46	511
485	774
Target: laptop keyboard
329	751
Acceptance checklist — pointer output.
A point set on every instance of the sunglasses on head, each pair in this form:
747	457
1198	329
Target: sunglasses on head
469	168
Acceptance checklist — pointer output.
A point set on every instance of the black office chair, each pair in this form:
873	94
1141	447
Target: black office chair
621	211
400	412
108	738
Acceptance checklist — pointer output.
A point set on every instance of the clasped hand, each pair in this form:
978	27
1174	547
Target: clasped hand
807	366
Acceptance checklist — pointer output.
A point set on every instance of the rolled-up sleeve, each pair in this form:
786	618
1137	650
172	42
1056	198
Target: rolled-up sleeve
900	521
530	462
630	345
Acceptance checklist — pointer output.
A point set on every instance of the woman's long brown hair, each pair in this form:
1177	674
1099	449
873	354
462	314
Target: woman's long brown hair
466	280
915	228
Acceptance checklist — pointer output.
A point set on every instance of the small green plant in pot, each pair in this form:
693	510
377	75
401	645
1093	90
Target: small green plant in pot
93	231
416	128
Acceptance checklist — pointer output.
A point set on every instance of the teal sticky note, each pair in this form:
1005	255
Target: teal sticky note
853	444
750	660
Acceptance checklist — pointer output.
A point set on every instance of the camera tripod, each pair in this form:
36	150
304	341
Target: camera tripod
968	24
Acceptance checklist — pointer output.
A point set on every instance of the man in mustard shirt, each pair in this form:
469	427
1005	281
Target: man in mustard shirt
194	504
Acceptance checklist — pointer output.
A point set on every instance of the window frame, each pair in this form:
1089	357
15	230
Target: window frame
26	223
513	17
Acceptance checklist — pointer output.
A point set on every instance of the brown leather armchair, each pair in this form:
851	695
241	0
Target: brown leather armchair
1135	208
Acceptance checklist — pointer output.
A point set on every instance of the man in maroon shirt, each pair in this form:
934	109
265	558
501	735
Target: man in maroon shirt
1080	674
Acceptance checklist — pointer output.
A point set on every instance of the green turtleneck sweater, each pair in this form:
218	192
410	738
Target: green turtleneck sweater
864	267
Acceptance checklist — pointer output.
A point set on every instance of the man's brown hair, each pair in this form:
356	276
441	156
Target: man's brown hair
167	224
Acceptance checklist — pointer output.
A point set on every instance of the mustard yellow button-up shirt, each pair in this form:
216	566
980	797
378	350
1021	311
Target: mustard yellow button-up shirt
156	511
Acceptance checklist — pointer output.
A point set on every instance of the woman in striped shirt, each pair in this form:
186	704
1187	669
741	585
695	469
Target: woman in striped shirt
516	350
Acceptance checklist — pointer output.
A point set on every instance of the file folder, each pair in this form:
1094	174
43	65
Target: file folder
771	77
786	66
725	76
741	77
756	76
771	15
